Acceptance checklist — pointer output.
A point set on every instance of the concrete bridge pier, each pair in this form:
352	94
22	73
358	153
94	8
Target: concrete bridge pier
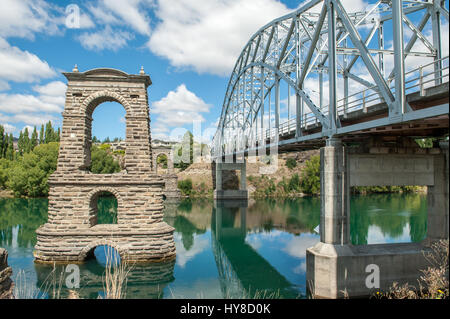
241	193
335	267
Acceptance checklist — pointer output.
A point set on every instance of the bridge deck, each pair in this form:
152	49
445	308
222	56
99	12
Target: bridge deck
424	125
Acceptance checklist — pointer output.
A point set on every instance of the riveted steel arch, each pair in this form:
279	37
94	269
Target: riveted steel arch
279	82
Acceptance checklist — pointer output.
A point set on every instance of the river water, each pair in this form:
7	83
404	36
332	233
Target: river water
231	250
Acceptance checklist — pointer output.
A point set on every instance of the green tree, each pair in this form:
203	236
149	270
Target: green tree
310	182
49	134
26	141
41	135
102	162
28	176
3	142
34	138
10	152
20	145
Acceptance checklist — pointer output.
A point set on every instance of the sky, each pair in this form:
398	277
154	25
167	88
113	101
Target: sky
187	47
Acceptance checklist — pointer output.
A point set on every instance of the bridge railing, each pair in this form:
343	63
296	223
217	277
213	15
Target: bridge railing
416	80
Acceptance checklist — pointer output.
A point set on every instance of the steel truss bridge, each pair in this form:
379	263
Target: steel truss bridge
322	71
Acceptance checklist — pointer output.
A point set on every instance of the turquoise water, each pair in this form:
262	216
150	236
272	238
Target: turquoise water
222	252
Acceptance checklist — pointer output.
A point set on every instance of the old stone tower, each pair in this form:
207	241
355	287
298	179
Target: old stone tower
72	232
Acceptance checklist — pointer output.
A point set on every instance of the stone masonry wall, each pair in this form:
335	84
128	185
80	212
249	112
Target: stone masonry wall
6	284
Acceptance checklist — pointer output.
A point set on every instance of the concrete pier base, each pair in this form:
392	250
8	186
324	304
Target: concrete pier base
337	269
340	271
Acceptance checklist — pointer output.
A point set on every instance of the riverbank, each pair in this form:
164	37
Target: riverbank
6	193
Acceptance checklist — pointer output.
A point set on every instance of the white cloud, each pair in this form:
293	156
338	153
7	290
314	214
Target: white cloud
183	256
29	119
16	103
33	109
50	99
105	39
208	35
131	12
26	17
21	66
9	128
179	107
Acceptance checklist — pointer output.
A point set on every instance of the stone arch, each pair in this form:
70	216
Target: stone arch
92	101
84	253
157	151
91	202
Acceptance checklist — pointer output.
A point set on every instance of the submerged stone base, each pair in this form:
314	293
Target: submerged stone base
152	244
6	284
340	271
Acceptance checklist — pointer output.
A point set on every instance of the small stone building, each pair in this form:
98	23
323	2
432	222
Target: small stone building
72	231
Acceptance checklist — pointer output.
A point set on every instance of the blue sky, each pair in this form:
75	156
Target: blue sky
187	47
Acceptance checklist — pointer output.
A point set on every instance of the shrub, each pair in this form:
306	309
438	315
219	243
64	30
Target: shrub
310	183
185	186
291	163
294	183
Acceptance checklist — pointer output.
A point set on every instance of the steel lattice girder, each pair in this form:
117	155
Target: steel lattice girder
295	48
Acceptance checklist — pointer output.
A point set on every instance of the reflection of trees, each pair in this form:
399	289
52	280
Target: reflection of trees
293	215
27	214
187	230
107	209
391	213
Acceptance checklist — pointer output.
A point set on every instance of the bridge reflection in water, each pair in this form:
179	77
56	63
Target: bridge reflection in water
242	271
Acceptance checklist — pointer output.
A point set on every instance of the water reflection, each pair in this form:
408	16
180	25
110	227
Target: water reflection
143	281
224	250
242	271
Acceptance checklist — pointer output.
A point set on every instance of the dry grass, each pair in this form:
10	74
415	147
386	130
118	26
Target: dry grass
51	287
115	278
433	284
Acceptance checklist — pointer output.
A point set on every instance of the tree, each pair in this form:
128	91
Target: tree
20	145
28	176
102	162
3	142
10	152
26	141
41	134
34	138
49	135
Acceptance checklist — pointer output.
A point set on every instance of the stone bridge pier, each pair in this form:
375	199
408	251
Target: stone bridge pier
72	231
335	267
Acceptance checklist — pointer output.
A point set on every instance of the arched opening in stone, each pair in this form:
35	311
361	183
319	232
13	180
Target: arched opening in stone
108	132
103	208
161	164
105	255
